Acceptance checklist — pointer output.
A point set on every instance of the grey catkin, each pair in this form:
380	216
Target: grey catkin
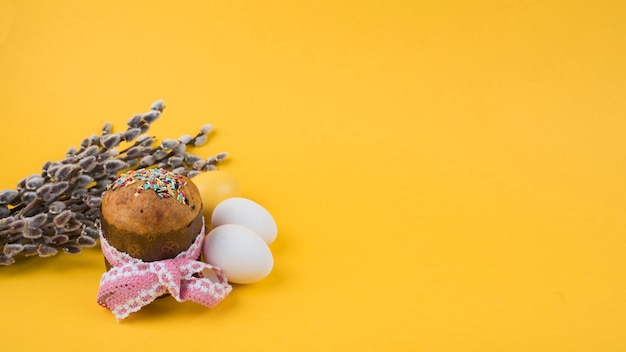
58	209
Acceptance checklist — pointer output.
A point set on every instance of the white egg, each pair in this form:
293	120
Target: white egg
243	256
245	212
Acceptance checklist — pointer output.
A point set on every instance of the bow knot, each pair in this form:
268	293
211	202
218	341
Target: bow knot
132	283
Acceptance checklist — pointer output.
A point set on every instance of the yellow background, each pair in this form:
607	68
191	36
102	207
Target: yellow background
445	175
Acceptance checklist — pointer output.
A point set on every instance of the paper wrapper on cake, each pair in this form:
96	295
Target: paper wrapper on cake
151	214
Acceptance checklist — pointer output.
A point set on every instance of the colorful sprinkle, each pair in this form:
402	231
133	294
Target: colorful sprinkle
164	183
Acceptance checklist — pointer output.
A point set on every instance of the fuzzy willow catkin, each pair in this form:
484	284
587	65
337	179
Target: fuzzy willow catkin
59	208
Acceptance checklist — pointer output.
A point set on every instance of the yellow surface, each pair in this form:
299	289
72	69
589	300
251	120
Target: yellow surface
445	175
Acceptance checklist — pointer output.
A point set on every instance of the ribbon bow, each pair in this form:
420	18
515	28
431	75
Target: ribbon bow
132	283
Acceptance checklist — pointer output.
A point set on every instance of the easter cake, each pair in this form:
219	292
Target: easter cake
152	233
151	214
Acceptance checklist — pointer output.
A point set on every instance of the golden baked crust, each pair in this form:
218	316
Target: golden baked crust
151	222
146	212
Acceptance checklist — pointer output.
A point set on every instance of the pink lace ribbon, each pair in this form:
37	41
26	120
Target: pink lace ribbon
132	283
